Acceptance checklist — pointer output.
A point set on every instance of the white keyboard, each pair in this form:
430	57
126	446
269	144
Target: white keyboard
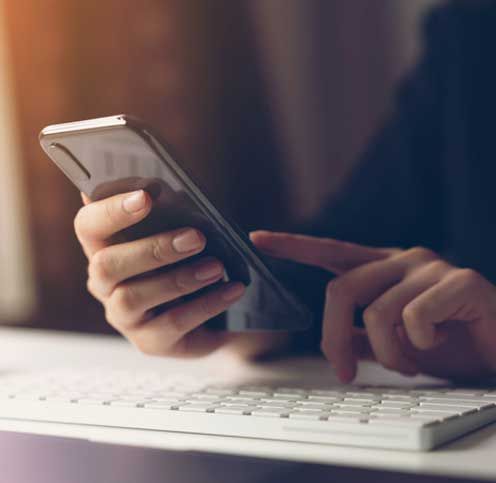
381	417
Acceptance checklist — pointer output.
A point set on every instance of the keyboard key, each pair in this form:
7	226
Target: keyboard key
128	404
425	392
166	406
439	414
271	412
324	398
305	409
92	401
283	391
30	396
290	397
244	399
275	405
395	404
312	404
61	399
278	399
399	398
198	407
237	404
361	395
309	416
207	397
445	408
338	394
347	418
389	411
165	400
460	401
198	401
353	403
235	410
256	389
388	414
354	411
255	393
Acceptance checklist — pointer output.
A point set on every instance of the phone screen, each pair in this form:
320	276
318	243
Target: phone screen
104	161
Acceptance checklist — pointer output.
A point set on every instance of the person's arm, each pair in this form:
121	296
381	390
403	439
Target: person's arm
394	196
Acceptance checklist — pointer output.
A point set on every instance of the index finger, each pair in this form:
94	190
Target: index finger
334	255
96	222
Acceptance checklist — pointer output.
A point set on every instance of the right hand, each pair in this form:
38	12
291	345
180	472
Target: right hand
121	277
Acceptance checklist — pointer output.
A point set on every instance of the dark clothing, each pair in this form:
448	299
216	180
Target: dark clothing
429	177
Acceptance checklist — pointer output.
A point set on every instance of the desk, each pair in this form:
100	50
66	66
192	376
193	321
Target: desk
22	349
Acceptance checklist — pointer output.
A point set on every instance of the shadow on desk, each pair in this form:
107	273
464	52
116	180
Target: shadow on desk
480	438
40	459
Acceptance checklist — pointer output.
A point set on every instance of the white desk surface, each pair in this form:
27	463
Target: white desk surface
23	349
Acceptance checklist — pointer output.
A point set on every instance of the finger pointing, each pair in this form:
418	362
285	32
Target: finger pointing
333	255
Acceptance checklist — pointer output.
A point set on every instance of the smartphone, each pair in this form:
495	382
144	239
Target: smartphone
111	155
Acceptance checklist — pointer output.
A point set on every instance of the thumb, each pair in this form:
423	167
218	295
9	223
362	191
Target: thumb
333	255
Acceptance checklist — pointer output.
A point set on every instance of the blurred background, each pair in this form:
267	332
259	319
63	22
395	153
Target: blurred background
267	102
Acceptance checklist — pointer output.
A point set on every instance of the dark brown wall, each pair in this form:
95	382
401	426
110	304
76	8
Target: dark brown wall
187	67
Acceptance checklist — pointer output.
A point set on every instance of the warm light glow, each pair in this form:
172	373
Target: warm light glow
17	292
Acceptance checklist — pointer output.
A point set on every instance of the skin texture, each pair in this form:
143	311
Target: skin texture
123	277
421	313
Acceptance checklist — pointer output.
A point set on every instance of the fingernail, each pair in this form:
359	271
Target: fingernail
134	202
208	270
233	292
187	241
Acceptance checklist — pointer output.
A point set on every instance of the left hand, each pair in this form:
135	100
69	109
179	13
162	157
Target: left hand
421	313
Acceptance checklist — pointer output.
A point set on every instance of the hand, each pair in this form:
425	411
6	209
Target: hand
421	313
122	277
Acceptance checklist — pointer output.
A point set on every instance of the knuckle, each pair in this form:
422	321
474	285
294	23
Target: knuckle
126	299
179	282
207	307
337	287
394	251
437	266
469	277
100	266
91	289
411	315
175	323
159	249
421	253
373	315
109	207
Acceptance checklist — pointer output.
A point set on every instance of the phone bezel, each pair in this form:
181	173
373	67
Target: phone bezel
236	237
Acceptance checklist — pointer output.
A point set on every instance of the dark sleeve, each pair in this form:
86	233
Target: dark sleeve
394	196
